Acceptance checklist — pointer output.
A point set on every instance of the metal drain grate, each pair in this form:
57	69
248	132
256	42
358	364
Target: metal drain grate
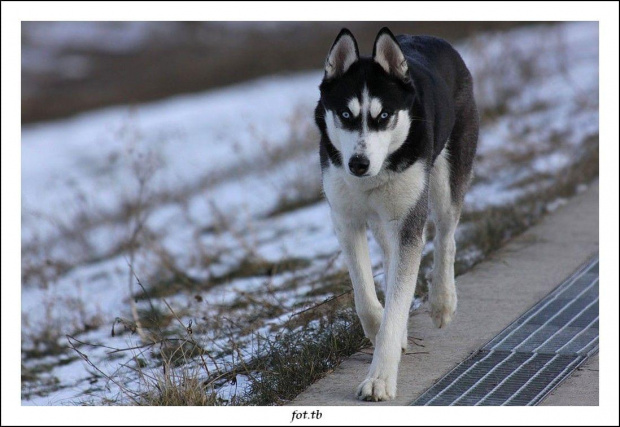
529	358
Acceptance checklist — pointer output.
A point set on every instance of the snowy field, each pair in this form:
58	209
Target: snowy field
202	214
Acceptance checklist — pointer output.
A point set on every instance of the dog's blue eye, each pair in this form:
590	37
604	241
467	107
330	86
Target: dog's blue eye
345	115
384	115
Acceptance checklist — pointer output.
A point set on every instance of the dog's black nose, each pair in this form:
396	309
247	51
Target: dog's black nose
358	165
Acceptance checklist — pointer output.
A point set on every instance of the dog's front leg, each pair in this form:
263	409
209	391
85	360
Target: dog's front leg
380	383
351	235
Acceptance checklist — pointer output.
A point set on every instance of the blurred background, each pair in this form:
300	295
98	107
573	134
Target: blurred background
176	245
69	67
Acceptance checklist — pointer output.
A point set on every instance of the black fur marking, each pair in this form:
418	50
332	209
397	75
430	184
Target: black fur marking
412	229
462	149
352	123
377	123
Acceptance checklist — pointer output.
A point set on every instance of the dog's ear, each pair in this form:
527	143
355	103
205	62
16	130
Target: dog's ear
342	55
388	54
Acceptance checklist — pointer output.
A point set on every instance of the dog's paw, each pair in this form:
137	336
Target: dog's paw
443	309
377	389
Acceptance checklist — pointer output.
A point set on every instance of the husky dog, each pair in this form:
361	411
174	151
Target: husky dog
398	137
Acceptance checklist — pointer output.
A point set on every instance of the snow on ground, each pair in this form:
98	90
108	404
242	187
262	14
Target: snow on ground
216	166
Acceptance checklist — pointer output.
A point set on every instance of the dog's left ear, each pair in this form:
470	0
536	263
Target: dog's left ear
388	54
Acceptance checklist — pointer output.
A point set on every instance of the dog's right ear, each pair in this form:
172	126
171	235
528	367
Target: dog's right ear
342	55
388	54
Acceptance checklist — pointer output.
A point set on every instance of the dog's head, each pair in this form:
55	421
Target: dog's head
367	101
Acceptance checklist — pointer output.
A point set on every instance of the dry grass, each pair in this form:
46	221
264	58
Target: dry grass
184	389
185	373
295	360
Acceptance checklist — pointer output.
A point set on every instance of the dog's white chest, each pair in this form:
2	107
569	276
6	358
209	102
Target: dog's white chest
389	195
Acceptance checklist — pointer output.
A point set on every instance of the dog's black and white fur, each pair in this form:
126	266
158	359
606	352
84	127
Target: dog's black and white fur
398	137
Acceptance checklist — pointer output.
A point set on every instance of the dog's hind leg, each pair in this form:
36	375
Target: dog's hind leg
450	177
446	213
378	232
352	238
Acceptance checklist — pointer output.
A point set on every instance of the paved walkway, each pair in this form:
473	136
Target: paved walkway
491	296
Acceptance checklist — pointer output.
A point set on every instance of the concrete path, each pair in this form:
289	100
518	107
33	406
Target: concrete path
491	296
581	388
